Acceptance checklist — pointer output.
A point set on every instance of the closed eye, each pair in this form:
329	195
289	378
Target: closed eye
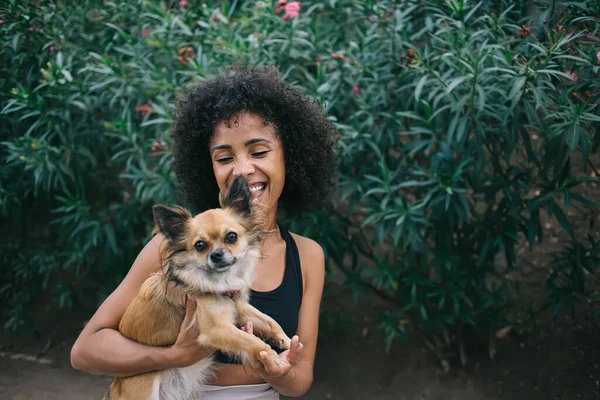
260	154
224	160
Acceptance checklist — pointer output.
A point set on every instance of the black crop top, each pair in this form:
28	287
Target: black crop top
282	303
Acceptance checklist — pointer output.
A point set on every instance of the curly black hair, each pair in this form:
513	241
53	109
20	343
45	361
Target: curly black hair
309	138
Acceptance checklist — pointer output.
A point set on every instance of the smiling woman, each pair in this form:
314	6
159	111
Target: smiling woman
258	104
249	123
249	147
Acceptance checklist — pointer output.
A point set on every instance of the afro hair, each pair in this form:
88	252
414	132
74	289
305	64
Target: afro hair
308	137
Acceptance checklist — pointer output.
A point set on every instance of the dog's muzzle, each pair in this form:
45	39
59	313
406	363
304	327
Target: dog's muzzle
218	260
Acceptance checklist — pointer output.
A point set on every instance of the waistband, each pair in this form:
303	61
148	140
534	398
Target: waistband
261	391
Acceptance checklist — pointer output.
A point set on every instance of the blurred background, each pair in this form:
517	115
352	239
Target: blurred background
462	240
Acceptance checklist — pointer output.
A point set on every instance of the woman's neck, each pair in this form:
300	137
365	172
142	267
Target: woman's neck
269	222
270	227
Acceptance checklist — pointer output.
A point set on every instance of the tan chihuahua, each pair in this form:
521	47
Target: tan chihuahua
210	257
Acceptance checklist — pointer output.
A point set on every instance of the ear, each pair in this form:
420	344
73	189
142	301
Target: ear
171	220
238	197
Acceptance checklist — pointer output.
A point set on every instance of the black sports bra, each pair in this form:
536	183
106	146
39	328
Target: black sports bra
282	303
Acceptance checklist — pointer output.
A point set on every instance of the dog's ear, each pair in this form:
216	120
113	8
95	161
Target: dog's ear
238	197
171	221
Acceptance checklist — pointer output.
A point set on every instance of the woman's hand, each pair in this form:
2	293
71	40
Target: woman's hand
187	351
271	367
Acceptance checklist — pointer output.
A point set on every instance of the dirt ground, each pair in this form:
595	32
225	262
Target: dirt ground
556	360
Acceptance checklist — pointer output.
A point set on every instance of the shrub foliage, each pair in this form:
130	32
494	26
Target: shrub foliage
459	125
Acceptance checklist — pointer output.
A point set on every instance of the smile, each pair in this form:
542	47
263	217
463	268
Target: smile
257	187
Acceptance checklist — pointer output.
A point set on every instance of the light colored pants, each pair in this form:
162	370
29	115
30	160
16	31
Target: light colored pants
261	391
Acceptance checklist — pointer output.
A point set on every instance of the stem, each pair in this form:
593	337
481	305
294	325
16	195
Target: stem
472	105
553	8
394	38
593	168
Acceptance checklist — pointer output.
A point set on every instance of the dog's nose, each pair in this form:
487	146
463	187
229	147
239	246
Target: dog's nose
216	256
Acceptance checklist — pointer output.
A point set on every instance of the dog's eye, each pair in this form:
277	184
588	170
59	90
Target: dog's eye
231	238
200	246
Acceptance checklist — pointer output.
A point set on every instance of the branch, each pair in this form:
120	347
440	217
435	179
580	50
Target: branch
593	168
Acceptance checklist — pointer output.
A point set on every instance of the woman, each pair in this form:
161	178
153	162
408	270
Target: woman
246	122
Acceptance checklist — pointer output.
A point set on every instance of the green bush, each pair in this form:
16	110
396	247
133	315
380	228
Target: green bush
458	122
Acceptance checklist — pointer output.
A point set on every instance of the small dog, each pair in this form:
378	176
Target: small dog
210	257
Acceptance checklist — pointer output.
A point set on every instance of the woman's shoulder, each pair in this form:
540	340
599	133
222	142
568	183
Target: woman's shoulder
307	247
312	257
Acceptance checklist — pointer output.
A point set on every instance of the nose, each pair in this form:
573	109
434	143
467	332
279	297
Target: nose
216	256
243	167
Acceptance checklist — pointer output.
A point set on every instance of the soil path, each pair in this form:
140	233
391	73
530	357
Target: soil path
560	361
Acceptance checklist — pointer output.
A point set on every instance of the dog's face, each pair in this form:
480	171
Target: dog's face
216	250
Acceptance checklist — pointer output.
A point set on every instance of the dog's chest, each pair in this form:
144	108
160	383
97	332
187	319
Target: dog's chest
221	307
183	383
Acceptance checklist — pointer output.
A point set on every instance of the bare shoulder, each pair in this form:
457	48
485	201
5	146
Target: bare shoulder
308	248
312	259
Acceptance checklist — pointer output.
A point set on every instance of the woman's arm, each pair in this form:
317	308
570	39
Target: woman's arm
292	373
101	349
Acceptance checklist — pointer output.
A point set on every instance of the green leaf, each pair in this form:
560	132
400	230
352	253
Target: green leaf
541	199
455	82
583	200
562	219
555	73
470	14
420	84
103	84
157	121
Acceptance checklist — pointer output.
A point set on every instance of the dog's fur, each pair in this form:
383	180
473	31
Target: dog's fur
155	315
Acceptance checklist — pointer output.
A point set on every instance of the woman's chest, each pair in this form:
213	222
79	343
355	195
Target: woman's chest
270	269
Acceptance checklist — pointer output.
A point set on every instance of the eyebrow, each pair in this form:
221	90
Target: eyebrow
248	143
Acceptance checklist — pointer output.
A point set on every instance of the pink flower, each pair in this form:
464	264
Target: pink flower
356	89
184	3
573	76
144	109
591	36
158	145
338	56
598	57
52	49
1	21
281	3
292	9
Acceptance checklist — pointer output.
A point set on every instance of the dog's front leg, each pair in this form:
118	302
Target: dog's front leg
217	332
263	324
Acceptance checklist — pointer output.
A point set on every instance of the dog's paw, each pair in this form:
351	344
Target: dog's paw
265	348
284	343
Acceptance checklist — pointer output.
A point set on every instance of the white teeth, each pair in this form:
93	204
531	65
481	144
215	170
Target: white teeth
256	188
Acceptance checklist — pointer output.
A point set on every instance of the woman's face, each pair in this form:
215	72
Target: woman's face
247	145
